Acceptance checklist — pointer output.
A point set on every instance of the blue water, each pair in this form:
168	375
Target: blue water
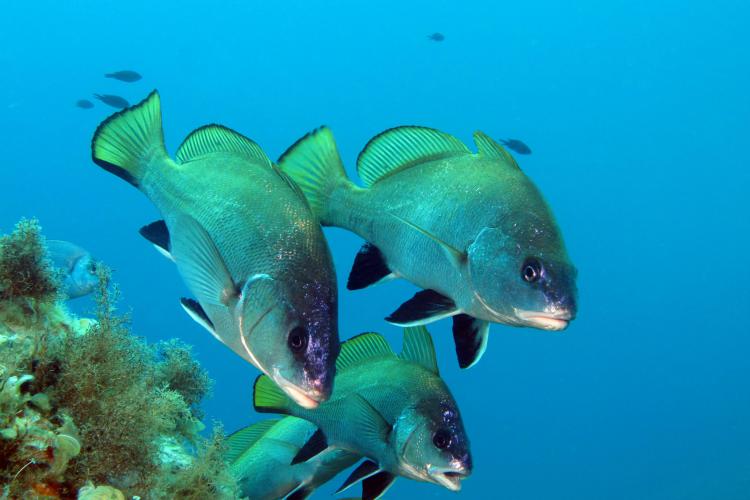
639	117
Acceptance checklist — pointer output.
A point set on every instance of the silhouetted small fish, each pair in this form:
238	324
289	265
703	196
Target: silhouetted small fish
124	76
84	104
436	37
113	100
516	145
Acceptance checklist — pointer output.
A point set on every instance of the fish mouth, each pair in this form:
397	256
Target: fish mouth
308	400
546	321
447	478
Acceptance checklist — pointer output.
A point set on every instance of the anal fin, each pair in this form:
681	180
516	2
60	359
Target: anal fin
316	444
301	493
425	307
363	471
375	486
368	269
470	335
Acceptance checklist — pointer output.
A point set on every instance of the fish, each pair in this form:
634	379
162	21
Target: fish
113	100
84	104
78	266
244	240
516	145
470	229
260	456
394	410
124	76
436	37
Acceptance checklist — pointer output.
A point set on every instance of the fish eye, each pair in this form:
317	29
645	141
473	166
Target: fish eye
441	439
297	339
92	267
531	270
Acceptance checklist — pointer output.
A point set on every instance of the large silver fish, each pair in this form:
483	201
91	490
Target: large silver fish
244	240
469	228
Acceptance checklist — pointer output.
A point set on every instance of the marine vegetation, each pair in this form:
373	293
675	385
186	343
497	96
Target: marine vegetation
86	408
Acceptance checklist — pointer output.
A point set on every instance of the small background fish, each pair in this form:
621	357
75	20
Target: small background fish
113	100
516	145
436	37
84	104
124	76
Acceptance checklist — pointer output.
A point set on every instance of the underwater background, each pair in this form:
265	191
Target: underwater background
638	116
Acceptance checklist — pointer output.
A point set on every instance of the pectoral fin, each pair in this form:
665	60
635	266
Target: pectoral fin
201	264
425	307
368	421
316	444
363	471
368	269
375	486
456	256
470	335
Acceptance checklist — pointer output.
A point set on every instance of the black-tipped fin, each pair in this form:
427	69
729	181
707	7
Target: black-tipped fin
241	440
198	314
402	147
375	486
368	269
470	335
268	397
418	347
316	444
488	148
158	235
362	472
425	307
301	493
219	139
358	349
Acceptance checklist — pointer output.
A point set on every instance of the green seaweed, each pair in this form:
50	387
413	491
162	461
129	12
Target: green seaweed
84	402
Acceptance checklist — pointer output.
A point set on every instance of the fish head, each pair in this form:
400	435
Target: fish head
432	445
83	276
521	275
292	333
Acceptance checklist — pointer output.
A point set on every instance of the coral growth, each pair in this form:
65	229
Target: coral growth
86	408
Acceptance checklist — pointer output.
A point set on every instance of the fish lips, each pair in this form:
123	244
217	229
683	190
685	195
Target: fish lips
553	321
306	398
448	477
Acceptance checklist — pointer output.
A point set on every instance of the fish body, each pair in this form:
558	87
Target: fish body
113	100
124	76
436	37
517	145
394	410
260	459
469	228
84	104
77	265
244	240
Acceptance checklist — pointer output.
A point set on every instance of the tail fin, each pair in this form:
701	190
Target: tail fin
128	141
269	398
313	162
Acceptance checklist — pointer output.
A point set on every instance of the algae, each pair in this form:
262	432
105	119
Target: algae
87	409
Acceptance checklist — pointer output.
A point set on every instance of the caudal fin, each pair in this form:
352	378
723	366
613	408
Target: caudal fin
269	398
313	162
129	141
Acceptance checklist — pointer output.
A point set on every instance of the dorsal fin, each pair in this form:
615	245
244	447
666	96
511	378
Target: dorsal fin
489	148
218	138
401	147
240	441
418	347
360	348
